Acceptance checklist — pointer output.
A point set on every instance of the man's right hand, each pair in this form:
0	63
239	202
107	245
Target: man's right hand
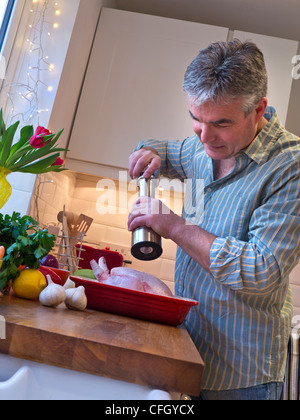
146	160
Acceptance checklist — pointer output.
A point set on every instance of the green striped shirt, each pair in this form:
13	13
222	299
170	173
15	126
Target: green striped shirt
242	324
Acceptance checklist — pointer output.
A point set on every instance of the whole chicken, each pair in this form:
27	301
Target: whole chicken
129	279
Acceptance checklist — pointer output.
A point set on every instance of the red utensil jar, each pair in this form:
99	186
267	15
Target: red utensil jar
88	253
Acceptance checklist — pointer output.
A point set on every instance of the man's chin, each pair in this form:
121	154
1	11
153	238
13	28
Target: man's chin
217	153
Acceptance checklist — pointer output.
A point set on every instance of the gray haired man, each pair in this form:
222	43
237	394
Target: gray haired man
236	262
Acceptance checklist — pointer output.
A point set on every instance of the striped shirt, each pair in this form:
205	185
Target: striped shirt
241	326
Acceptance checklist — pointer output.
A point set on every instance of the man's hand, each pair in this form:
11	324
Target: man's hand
155	215
144	158
193	240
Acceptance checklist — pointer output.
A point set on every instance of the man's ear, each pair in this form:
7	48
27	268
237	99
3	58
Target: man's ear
261	109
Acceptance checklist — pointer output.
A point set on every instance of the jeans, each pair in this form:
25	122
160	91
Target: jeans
266	392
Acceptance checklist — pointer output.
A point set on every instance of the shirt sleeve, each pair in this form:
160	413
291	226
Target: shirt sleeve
260	265
176	156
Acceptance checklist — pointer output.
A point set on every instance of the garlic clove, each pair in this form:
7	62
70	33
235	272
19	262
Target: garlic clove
69	284
76	299
53	295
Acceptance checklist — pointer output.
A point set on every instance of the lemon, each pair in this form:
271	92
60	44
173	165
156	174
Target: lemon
29	284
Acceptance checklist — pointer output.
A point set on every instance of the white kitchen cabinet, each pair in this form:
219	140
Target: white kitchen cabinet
133	86
278	57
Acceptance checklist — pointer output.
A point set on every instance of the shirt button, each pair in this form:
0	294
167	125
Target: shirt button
209	190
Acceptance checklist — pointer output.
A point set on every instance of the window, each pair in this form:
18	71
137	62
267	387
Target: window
6	8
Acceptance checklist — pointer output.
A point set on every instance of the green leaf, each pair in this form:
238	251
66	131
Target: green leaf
34	155
14	247
48	137
2	124
39	252
7	138
23	240
17	155
53	169
25	136
40	165
58	135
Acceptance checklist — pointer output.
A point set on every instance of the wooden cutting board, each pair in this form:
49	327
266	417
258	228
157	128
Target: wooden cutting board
103	344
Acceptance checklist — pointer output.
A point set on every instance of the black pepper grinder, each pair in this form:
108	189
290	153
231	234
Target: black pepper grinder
146	244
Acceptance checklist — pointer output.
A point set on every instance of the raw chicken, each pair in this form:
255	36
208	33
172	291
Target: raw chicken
100	270
129	279
126	282
150	282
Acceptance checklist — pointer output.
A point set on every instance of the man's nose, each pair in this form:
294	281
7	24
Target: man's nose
205	133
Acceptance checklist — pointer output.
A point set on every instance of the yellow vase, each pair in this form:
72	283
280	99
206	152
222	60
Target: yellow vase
5	187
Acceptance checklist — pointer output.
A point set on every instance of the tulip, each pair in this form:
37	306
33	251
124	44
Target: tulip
58	162
37	140
34	153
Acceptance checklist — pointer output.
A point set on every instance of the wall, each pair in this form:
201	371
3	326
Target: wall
293	120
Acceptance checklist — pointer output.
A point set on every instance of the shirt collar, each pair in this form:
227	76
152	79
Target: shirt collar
261	146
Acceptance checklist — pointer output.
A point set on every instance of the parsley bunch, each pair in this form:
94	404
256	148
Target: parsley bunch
25	243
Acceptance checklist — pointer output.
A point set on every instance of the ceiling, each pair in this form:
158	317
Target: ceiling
268	17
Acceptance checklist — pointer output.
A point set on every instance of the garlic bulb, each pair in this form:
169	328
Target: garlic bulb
53	295
76	299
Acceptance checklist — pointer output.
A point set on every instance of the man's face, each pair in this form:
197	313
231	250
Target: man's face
223	129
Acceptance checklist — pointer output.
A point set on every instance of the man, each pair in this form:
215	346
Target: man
236	261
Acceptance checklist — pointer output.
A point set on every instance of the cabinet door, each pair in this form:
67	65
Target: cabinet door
278	57
133	87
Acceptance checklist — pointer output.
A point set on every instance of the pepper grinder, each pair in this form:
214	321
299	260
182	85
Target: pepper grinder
146	244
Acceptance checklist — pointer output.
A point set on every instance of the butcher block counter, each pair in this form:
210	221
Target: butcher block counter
102	344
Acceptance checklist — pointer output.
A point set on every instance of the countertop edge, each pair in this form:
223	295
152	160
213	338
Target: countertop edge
82	355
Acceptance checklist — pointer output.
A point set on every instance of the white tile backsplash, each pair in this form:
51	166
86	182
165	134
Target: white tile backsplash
169	249
54	191
97	234
167	269
116	236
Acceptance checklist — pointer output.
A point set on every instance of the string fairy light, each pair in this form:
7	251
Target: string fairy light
44	15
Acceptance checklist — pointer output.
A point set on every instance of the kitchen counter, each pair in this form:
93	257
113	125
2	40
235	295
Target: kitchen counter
102	344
